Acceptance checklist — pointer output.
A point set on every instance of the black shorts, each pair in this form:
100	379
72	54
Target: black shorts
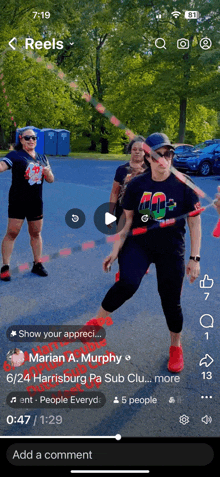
30	211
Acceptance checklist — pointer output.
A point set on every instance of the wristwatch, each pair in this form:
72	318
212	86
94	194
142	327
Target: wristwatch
196	258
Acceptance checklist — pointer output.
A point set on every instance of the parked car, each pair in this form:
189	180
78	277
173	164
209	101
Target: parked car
203	159
186	150
216	165
183	148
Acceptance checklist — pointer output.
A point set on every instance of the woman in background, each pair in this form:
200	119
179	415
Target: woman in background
123	176
125	173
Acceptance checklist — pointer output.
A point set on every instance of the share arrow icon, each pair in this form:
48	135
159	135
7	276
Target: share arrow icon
207	360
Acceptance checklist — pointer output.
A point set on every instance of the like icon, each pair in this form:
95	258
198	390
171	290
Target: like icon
206	282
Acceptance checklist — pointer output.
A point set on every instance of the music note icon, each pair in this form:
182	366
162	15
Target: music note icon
13	399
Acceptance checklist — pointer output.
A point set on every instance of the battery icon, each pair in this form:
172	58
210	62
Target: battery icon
191	15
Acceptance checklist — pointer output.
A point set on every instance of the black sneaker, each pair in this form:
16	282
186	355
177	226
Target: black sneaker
5	274
39	269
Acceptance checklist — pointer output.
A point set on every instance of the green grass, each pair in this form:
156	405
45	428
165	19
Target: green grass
99	156
88	155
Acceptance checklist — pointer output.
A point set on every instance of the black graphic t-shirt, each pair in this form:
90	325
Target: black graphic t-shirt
27	175
153	202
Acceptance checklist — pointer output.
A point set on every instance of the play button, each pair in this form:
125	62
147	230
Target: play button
109	218
106	222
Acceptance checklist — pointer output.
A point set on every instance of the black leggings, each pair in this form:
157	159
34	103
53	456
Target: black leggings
134	261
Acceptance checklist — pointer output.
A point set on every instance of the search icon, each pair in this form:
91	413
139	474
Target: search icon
163	43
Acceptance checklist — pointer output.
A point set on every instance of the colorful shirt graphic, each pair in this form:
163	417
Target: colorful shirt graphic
155	201
154	205
34	173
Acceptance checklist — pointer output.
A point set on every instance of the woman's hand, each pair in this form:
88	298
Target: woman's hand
109	260
192	270
47	172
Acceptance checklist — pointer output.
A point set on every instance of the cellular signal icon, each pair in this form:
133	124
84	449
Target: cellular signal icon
176	14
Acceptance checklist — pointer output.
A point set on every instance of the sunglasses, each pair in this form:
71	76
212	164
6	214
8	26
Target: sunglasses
166	155
27	138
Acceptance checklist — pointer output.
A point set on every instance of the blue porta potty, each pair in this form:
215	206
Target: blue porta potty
63	142
50	141
40	138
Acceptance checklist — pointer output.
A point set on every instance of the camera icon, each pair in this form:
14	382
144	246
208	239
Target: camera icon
205	43
182	44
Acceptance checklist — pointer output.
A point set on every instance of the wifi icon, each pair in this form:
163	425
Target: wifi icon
176	14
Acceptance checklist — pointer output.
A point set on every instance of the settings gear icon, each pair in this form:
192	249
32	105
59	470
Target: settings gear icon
184	419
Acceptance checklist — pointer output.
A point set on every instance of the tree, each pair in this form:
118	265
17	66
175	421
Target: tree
188	71
176	77
88	29
109	51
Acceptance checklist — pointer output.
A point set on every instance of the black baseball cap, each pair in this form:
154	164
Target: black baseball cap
157	140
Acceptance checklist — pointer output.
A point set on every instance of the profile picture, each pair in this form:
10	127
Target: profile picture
15	357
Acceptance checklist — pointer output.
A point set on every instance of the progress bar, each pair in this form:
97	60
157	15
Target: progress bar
117	437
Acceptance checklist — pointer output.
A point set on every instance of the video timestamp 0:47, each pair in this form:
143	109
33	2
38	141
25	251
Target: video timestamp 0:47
27	419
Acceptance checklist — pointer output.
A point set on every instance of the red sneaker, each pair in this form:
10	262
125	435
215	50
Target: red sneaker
176	363
92	322
5	273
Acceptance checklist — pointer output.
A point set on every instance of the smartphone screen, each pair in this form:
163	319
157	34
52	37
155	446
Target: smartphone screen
119	371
